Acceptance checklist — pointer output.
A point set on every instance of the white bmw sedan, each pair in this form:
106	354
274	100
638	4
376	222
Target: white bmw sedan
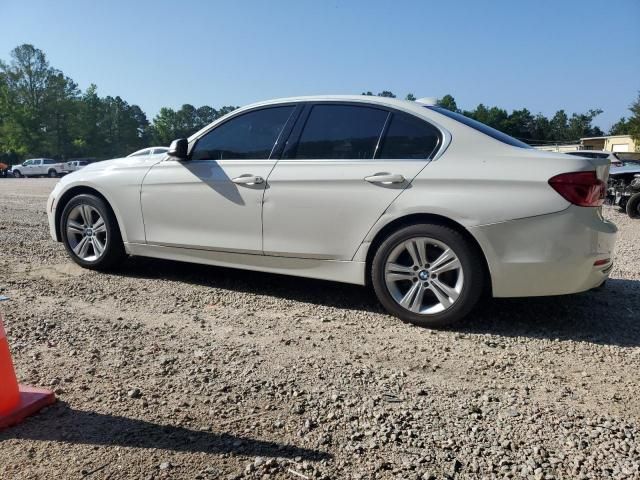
430	208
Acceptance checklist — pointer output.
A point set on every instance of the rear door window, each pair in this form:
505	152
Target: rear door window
340	132
409	137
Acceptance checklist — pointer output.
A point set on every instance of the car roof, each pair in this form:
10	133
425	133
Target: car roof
416	107
387	101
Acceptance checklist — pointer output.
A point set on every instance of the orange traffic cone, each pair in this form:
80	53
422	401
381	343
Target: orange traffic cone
17	401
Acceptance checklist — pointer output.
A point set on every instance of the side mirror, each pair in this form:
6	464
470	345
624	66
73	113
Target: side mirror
178	148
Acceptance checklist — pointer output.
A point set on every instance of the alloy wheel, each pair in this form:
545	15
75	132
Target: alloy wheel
86	232
424	275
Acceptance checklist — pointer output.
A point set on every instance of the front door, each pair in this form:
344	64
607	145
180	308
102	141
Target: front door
213	200
344	165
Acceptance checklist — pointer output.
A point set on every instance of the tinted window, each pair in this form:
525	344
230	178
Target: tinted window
141	153
160	150
248	136
409	137
341	131
481	127
49	162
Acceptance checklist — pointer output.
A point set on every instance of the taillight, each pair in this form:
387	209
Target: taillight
584	189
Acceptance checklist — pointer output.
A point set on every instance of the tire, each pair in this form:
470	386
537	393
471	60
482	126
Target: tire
102	247
633	206
17	174
453	284
52	173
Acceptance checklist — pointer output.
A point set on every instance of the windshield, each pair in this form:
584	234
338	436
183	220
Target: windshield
481	127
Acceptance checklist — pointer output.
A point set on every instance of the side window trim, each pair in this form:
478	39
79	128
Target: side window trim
296	131
383	134
195	141
282	141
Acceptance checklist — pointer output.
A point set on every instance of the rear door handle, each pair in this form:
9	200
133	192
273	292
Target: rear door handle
385	178
248	179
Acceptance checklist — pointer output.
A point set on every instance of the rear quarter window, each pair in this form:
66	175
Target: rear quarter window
408	137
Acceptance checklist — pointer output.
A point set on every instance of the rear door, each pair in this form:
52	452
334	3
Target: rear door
343	165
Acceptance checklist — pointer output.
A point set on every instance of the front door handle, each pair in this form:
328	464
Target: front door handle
385	178
248	179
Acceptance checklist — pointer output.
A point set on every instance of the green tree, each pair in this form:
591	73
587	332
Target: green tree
621	127
580	125
558	127
26	77
170	124
124	126
449	103
411	97
633	124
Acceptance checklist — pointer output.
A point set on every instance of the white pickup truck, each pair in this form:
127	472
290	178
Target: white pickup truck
36	167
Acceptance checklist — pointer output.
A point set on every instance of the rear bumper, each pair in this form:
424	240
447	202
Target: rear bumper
549	254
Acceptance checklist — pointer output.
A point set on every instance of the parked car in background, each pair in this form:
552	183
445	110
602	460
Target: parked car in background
624	188
149	151
431	208
611	156
74	165
37	167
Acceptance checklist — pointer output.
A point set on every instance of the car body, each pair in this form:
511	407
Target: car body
149	151
36	167
611	156
354	189
74	165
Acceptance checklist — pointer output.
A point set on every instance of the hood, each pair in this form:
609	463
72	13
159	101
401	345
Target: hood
126	162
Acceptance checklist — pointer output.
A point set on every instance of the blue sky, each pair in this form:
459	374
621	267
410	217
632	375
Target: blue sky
540	54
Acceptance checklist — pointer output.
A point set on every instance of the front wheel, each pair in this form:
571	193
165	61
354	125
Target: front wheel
90	233
17	174
428	274
633	206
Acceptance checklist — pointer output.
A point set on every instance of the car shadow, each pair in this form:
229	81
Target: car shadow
609	315
61	423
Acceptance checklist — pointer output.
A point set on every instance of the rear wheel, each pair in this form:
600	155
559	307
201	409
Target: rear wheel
90	233
52	173
633	206
428	274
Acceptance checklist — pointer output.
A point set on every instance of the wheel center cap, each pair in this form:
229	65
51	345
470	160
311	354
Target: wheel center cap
89	232
423	275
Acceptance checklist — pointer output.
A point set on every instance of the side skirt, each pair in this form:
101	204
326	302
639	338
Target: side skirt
333	270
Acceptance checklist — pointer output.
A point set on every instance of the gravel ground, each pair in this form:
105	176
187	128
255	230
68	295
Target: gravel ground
169	370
